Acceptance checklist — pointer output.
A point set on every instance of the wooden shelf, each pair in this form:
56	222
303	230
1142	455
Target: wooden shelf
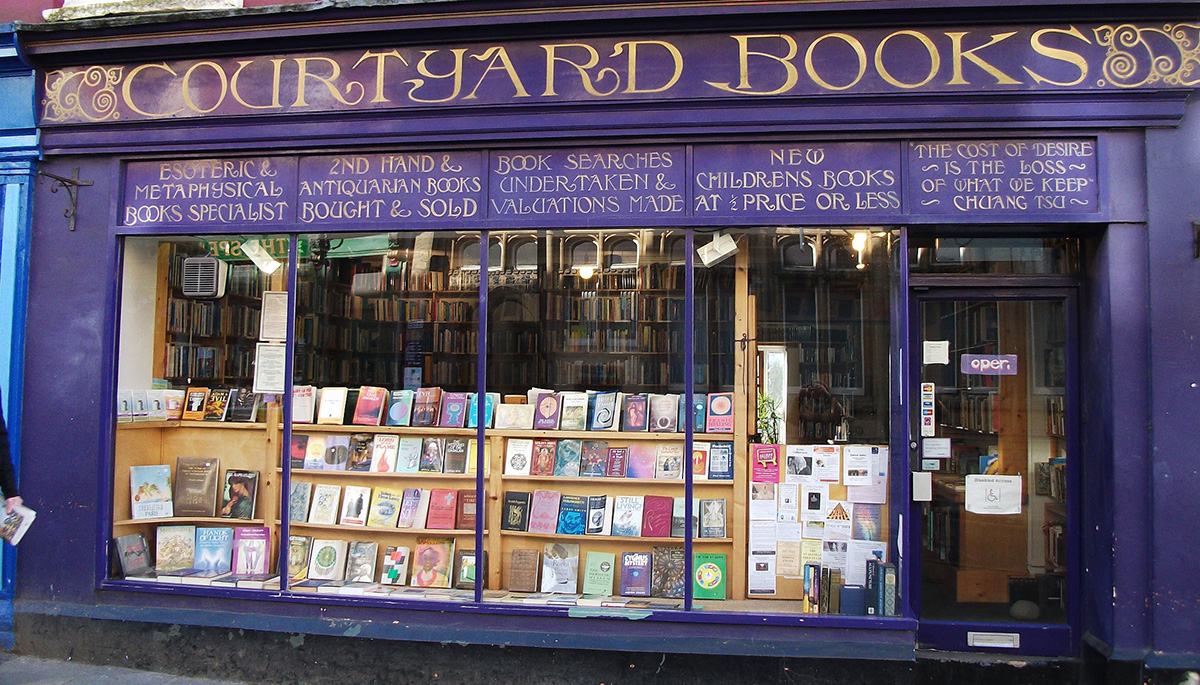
604	480
604	538
387	531
177	423
188	520
368	474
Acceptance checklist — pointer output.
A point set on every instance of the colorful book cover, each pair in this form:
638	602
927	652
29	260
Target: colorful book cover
514	416
618	462
545	453
635	574
573	411
593	460
543	511
408	455
708	579
490	401
383	453
299	496
566	462
216	407
426	403
432	459
314	455
361	447
560	568
240	494
546	415
443	503
642	460
467	567
699	412
867	522
764	463
700	460
369	408
454	410
408	508
456	455
432	562
516	511
175	548
517	457
634	416
214	549
656	516
399	410
195	491
572	515
150	492
325	499
337	452
664	413
720	413
599	573
298	449
193	409
360	561
385	507
668	576
604	411
299	547
720	461
395	566
251	550
712	518
599	520
627	516
668	461
327	560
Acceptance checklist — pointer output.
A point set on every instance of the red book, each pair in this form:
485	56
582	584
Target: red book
465	519
617	460
543	512
443	509
368	411
544	454
656	516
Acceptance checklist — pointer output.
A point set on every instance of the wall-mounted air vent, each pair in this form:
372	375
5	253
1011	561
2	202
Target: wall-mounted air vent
204	277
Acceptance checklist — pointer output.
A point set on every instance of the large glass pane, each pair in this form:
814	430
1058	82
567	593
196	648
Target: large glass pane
195	479
1010	255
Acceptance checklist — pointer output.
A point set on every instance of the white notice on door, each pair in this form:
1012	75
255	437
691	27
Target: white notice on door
993	494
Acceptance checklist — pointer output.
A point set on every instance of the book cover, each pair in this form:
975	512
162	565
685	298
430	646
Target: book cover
331	408
369	408
618	461
700	460
599	514
298	449
408	455
593	459
664	413
214	549
545	453
383	453
635	574
573	408
385	507
355	505
399	409
409	503
360	561
546	415
467	566
604	411
516	512
175	548
432	455
456	455
422	510
518	457
712	518
195	491
523	570
708	576
433	559
543	511
668	575
473	456
240	494
466	511
634	414
349	405
299	547
314	455
299	496
656	516
174	401
134	555
194	403
699	412
867	522
251	550
599	573
514	416
572	515
124	406
490	401
560	568
453	413
395	565
327	560
337	452
304	403
566	461
627	516
150	492
361	446
243	405
678	516
643	460
325	500
668	461
443	503
720	413
426	403
720	461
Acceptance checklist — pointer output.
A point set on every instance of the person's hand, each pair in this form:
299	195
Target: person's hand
12	502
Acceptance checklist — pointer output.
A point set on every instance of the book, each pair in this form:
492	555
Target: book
133	555
515	514
399	409
720	413
385	507
699	412
668	574
395	565
174	401
299	547
853	600
467	567
432	455
240	494
314	454
712	518
518	457
327	560
887	589
408	455
150	492
643	460
453	412
490	401
678	516
543	511
871	586
214	549
560	568
456	455
700	460
708	576
599	515
566	460
604	411
298	448
627	516
370	406
664	413
216	407
426	403
599	573
514	417
243	405
523	570
593	459
546	415
720	461
175	548
360	561
195	491
194	403
254	581
299	496
443	504
337	452
634	413
572	515
251	550
325	500
668	461
433	558
573	411
304	403
656	516
545	453
383	453
349	406
618	461
331	407
635	574
355	505
466	511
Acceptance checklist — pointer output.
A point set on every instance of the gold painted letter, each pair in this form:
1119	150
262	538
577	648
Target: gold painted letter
1056	53
744	55
958	80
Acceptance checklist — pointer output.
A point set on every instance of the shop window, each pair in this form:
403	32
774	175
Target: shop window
994	255
621	253
797	253
468	255
525	255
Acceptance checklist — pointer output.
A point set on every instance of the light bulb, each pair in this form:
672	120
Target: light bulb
586	272
859	241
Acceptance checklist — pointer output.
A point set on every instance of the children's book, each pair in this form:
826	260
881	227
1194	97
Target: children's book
150	492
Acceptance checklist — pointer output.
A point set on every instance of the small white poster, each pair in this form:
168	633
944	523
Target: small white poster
993	495
789	502
857	463
814	498
761	578
762	501
273	320
857	554
270	361
799	464
762	537
827	463
936	352
833	555
935	448
788	559
876	492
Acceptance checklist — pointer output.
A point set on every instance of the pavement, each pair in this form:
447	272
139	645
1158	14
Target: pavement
30	670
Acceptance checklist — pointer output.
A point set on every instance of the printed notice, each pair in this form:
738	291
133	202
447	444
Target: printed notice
270	360
936	352
993	494
274	317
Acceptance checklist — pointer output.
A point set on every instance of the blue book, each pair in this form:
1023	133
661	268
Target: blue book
214	549
489	409
602	411
699	412
853	600
399	411
566	461
720	461
572	515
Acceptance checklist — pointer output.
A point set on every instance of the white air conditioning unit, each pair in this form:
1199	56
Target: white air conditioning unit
204	277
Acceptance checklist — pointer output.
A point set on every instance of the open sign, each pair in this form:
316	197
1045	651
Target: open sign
990	364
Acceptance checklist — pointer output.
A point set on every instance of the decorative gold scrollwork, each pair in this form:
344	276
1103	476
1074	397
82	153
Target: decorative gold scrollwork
89	94
1145	56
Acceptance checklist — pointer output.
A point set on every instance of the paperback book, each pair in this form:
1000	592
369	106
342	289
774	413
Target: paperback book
195	492
150	492
214	549
251	550
239	494
399	409
560	568
566	462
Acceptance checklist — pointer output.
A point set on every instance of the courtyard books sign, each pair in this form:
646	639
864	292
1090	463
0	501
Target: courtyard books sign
745	66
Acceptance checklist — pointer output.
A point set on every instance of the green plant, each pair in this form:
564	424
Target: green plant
768	419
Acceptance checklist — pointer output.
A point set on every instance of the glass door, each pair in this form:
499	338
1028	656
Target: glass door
992	450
